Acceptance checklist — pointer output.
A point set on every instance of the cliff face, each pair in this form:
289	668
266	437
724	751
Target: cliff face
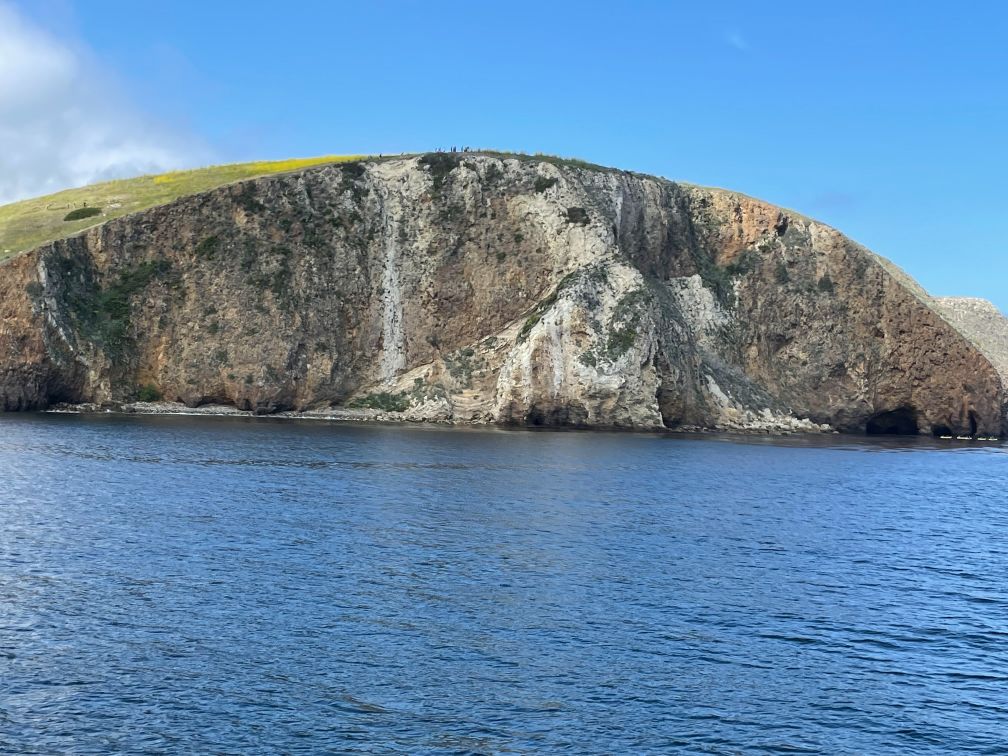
509	290
984	325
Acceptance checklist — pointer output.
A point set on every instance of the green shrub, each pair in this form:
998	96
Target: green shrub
350	180
248	201
744	263
451	212
208	247
113	304
715	278
540	309
440	164
149	393
630	306
781	274
280	281
598	275
628	312
528	325
545	304
542	184
460	366
619	342
383	400
826	284
81	213
493	173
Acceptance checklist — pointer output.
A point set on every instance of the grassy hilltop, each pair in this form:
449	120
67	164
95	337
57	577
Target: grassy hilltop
29	223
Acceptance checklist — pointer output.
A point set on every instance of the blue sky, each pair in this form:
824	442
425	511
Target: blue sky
888	121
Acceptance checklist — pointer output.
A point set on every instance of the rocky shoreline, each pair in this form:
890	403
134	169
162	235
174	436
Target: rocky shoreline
227	410
370	416
346	414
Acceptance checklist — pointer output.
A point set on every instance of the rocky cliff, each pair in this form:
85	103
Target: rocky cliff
491	288
984	325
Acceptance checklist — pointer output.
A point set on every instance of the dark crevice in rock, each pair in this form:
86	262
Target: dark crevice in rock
569	415
898	422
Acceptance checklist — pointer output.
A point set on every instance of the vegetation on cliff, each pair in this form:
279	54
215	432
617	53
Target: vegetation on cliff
29	223
482	287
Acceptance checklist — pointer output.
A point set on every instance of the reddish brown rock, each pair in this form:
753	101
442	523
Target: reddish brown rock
494	289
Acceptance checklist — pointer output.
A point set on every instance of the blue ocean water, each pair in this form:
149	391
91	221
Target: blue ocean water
224	585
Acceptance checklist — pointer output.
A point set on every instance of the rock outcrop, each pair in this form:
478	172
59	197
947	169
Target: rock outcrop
504	289
983	324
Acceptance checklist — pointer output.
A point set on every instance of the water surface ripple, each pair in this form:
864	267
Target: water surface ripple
223	585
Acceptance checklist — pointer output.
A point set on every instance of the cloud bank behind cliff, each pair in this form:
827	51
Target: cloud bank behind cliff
64	120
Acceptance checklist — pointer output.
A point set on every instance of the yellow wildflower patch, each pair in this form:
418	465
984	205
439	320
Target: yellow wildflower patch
29	223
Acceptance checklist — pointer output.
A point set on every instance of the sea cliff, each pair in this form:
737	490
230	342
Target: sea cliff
490	288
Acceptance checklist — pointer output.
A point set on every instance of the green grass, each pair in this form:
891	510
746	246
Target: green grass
27	224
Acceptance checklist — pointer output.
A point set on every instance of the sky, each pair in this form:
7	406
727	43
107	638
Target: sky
888	121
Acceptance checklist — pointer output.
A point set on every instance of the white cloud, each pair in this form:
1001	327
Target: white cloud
64	121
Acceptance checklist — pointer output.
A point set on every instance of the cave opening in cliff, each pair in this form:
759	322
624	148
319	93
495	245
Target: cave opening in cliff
897	422
973	423
940	430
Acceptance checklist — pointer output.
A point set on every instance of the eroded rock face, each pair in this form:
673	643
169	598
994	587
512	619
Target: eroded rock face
479	288
984	325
